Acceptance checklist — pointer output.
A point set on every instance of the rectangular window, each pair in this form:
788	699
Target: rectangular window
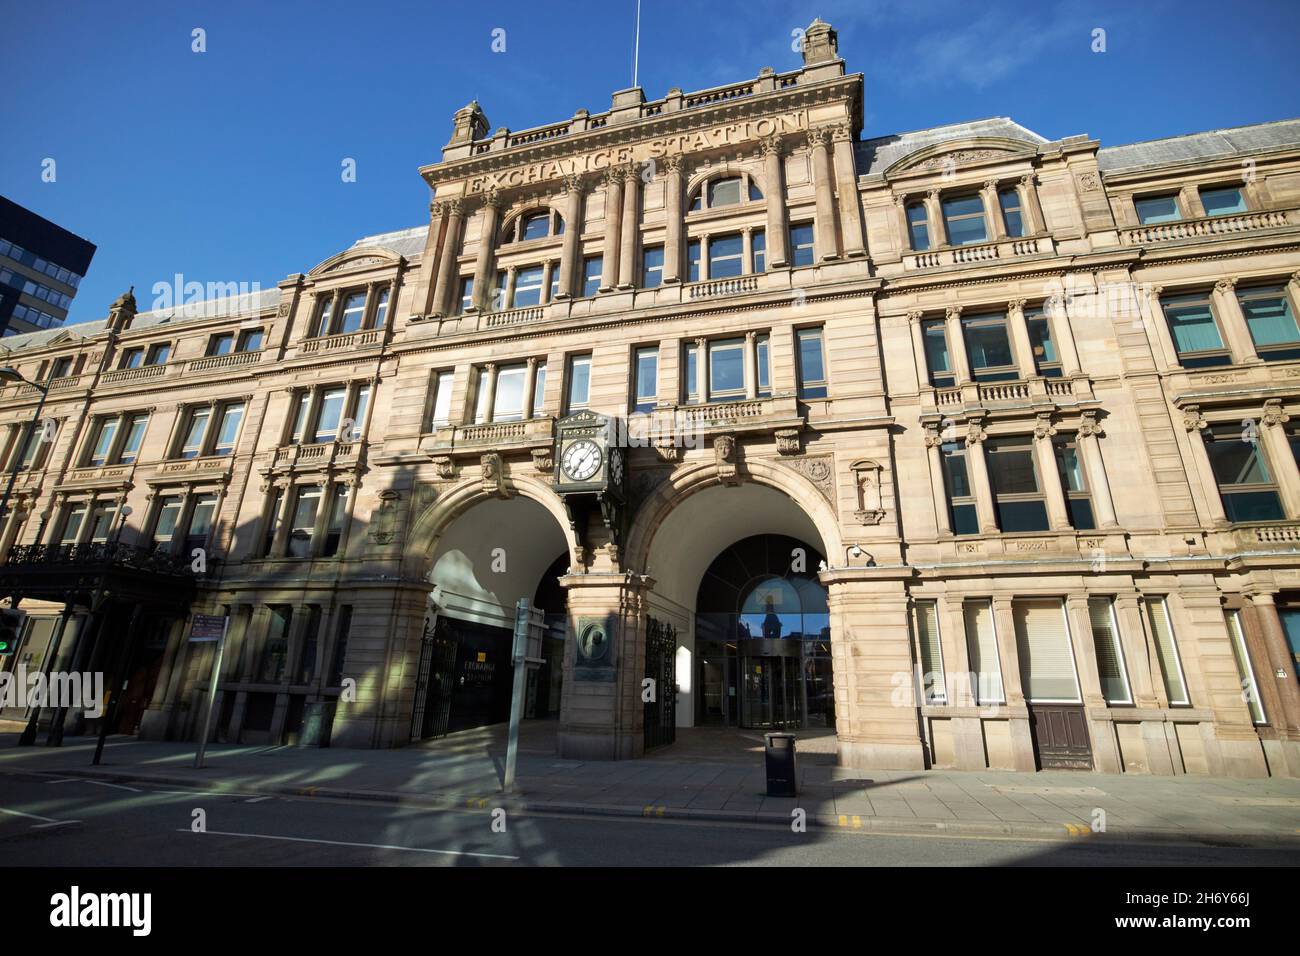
1046	360
1245	673
466	296
340	645
1247	489
982	646
271	667
1291	625
801	244
330	415
988	345
354	310
726	256
592	267
1221	200
1195	332
164	526
62	368
380	318
963	218
440	403
301	408
499	289
1271	322
1012	217
305	507
195	430
508	403
812	363
273	518
758	251
528	288
338	511
1171	667
222	344
105	432
481	395
693	261
325	316
762	346
1110	655
306	667
228	429
159	352
691	367
652	267
132	358
1017	492
250	340
579	382
1043	645
539	391
1152	210
918	227
961	499
934	336
72	524
727	369
931	653
135	427
1077	500
205	507
646	378
101	522
553	288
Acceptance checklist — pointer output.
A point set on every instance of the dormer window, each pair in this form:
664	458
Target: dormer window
725	191
1222	200
1157	209
535	225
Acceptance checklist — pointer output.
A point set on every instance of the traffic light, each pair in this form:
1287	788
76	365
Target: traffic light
11	628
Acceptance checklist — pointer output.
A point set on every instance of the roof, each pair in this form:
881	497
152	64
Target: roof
404	242
876	155
1214	144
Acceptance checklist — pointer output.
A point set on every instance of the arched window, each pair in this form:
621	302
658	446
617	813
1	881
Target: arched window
725	191
536	224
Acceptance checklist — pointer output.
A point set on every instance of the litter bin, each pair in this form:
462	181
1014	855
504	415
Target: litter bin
317	721
778	756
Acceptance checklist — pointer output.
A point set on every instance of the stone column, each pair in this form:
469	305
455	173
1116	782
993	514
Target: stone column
674	223
1033	211
957	357
828	247
1280	660
1105	748
613	227
934	220
489	222
487	387
918	348
1194	422
746	250
1022	742
704	257
979	478
938	480
1161	327
1094	469
287	505
702	370
1058	515
751	365
530	382
1278	454
627	265
422	301
904	227
778	256
1058	321
1235	330
1020	338
570	254
321	527
447	271
1130	619
846	186
992	211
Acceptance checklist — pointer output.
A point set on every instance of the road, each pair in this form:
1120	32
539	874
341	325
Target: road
57	821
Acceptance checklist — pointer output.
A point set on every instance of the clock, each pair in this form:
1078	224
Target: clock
616	466
581	460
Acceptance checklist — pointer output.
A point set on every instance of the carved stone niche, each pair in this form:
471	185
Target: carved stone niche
383	520
866	482
787	441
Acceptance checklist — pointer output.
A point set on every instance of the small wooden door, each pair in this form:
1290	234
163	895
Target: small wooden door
1060	735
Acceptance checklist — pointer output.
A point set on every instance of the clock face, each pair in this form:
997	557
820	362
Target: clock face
581	460
616	466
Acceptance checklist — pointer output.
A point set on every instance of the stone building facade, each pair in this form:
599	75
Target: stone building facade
997	429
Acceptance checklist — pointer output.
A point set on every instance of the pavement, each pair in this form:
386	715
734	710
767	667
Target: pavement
707	776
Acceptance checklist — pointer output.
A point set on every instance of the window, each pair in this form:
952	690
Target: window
725	191
105	433
553	290
72	522
1012	215
528	288
1110	655
466	293
812	363
508	402
539	390
1171	667
354	310
305	669
340	645
726	256
1194	330
652	267
961	499
1046	360
36	449
273	519
927	637
592	267
1246	673
198	440
934	336
228	429
330	414
693	260
276	648
380	318
646	378
101	521
440	399
727	368
1017	492
222	344
62	367
982	646
302	405
338	512
579	382
205	507
988	346
1221	200
324	317
1043	644
762	348
536	225
963	218
1271	322
1078	503
195	428
801	244
305	506
132	358
691	365
159	352
250	340
918	227
758	251
117	439
1247	489
165	521
1152	210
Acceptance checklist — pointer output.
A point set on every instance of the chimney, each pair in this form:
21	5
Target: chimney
821	51
468	124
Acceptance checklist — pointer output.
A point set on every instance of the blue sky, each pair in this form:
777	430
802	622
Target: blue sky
225	165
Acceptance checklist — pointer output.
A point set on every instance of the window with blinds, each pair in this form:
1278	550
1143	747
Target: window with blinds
927	637
1043	645
1110	656
1249	689
1171	668
982	645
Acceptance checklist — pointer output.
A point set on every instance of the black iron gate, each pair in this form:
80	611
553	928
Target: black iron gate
661	667
434	683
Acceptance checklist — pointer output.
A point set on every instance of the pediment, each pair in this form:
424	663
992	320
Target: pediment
958	153
355	259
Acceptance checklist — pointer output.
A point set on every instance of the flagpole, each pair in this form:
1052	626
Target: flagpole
636	49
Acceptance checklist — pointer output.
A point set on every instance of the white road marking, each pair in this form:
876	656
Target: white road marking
49	821
369	846
256	799
98	783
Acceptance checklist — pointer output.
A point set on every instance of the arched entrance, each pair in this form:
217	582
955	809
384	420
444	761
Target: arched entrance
762	638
